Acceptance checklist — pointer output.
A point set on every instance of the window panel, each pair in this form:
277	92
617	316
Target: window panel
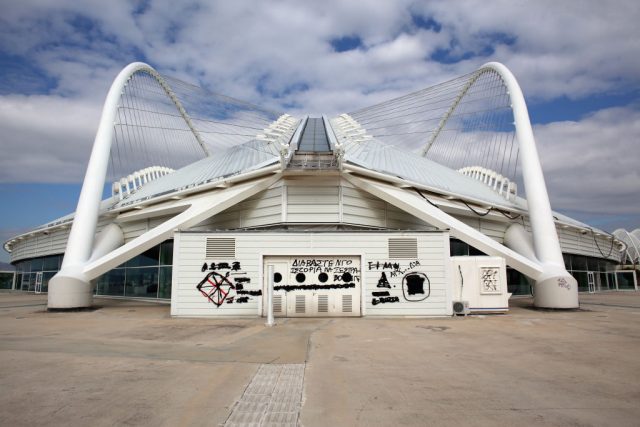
142	282
51	263
164	284
111	283
147	258
166	253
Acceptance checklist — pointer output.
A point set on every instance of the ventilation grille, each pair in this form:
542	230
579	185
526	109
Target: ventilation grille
277	303
323	303
347	303
221	248
403	248
300	304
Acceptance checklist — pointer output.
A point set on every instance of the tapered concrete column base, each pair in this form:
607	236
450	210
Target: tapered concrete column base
66	292
559	291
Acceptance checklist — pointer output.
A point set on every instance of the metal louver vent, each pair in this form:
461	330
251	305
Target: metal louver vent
277	303
300	304
347	303
221	248
403	248
323	303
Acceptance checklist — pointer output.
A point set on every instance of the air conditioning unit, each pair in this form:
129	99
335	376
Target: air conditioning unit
461	308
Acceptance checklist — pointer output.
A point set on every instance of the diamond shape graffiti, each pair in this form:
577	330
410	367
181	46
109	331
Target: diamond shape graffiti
216	288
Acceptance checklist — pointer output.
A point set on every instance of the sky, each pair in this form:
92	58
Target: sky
578	63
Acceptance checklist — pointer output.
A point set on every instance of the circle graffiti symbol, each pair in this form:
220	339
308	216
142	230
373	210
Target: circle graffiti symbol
300	277
347	277
416	286
323	277
277	277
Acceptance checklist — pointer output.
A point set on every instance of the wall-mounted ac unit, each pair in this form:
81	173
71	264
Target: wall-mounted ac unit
461	308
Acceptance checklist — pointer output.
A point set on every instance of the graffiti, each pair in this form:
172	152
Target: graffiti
313	287
489	280
215	287
384	300
343	270
384	265
413	287
234	266
562	282
346	277
224	287
383	282
395	269
252	293
380	294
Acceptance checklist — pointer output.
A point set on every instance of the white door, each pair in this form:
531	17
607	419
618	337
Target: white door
315	286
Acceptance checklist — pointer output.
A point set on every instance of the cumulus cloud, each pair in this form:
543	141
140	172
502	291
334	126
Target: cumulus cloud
45	138
279	54
591	165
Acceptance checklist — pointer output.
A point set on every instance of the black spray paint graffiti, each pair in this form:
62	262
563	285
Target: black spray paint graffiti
322	269
234	266
395	269
307	271
384	300
383	282
216	288
383	297
223	287
413	287
313	287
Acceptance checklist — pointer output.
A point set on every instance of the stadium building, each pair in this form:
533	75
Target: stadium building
430	204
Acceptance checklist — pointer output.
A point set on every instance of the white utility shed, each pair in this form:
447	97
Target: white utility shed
316	273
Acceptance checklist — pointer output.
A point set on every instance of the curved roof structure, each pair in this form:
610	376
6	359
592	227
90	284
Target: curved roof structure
632	242
465	145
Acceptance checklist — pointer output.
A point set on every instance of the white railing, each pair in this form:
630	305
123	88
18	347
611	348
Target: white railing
128	184
498	183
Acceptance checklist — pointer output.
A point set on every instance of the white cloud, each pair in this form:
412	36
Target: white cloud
262	51
45	138
592	165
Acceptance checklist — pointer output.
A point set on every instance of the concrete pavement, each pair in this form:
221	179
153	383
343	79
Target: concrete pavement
130	363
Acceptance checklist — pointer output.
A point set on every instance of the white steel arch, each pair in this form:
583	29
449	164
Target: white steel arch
631	240
556	288
70	287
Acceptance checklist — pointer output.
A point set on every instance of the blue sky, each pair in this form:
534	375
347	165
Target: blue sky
577	62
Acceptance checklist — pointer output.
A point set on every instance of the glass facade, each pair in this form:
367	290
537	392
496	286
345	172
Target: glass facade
625	280
581	267
147	275
6	280
27	271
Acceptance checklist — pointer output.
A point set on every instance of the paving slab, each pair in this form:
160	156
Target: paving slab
130	363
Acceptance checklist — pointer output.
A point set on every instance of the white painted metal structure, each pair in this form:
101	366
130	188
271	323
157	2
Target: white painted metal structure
555	288
357	264
481	282
632	241
376	185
